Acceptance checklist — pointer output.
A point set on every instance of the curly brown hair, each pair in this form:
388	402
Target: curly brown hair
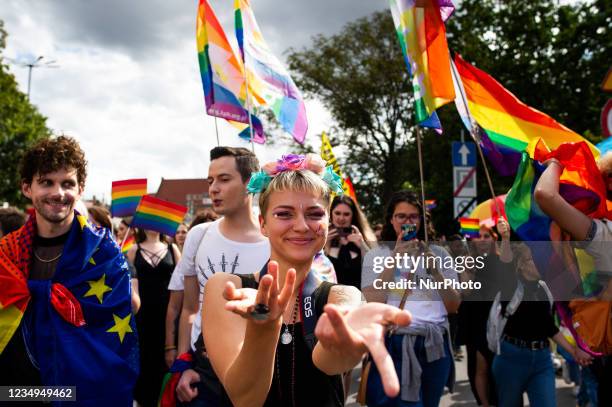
54	154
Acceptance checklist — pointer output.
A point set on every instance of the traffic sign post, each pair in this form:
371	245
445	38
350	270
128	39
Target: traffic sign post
464	178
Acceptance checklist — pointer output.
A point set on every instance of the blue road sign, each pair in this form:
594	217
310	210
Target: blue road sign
464	154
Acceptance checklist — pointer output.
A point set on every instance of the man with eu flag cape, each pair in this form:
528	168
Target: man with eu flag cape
65	313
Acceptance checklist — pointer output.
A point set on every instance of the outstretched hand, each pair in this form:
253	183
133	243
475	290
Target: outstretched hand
352	333
242	301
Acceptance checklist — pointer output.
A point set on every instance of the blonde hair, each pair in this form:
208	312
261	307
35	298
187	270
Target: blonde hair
299	181
605	162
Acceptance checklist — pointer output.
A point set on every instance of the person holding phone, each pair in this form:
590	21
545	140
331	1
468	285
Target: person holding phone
350	237
422	351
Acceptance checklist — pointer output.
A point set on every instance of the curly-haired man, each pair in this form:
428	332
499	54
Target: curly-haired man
65	318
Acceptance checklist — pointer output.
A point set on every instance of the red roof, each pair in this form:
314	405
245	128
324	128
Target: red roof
177	190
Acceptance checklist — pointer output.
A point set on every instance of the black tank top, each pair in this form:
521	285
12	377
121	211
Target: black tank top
154	295
294	366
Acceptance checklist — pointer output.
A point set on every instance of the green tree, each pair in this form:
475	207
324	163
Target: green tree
551	56
20	126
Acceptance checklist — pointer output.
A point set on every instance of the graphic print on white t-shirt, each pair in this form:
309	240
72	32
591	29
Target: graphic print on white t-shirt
216	254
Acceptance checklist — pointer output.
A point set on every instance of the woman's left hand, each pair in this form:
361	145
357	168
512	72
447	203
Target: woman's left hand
352	333
355	237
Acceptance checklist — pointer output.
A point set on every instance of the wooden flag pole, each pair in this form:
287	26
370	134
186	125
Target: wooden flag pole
217	131
473	132
248	102
420	153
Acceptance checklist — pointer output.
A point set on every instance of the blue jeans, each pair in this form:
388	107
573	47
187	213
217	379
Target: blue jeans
518	370
434	376
588	388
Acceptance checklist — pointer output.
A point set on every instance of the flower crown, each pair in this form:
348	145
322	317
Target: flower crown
295	162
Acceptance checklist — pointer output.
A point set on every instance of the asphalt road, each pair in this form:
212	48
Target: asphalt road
462	395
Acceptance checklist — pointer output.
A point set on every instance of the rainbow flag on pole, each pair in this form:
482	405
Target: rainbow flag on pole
126	196
222	73
422	36
507	121
127	244
158	215
267	76
469	227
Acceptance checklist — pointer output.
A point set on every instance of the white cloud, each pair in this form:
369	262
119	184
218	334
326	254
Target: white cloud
128	85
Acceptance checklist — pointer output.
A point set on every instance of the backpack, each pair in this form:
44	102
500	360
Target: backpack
497	320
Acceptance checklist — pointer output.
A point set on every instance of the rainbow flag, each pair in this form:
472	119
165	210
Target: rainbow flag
430	204
158	215
507	121
126	196
222	73
469	227
267	76
422	36
127	244
523	213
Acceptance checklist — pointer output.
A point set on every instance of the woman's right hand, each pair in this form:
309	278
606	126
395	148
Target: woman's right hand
242	301
406	246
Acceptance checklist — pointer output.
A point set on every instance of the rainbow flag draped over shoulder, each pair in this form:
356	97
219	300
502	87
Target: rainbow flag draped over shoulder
78	326
158	215
507	121
267	76
469	227
222	73
419	25
126	195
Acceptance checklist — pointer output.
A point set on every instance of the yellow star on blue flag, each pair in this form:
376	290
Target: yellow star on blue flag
122	326
98	288
82	220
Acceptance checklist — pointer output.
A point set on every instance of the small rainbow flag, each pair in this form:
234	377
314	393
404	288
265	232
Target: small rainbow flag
127	244
126	195
430	204
158	215
469	226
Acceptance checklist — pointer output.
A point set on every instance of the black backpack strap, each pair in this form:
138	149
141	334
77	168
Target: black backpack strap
321	295
248	281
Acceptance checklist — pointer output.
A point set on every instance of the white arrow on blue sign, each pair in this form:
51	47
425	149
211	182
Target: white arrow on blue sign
464	154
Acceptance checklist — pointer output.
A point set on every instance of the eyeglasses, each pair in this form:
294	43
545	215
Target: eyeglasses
403	217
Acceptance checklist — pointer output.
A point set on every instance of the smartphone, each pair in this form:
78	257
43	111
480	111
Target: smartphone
409	231
343	232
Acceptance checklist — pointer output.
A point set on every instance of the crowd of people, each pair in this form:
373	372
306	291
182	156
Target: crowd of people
276	309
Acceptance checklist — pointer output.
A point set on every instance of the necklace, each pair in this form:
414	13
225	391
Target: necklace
46	260
286	336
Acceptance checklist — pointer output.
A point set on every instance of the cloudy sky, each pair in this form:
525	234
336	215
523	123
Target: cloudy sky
128	86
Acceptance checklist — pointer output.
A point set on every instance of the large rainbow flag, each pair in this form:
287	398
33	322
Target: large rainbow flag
507	121
267	76
126	195
422	35
158	215
222	73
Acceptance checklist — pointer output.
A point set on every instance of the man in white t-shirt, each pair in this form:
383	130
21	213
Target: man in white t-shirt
232	244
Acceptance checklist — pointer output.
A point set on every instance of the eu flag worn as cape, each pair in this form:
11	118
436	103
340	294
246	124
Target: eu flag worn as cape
78	326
